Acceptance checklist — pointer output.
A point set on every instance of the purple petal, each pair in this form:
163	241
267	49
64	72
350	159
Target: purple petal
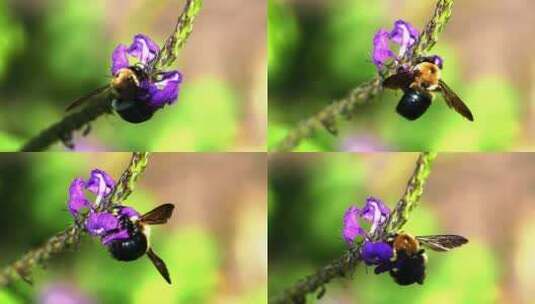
62	293
352	227
375	212
143	48
100	183
381	50
119	235
100	223
165	91
438	61
376	253
129	212
405	35
77	200
119	59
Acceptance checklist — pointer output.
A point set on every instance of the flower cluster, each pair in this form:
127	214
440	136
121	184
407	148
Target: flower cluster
376	213
155	91
106	225
396	44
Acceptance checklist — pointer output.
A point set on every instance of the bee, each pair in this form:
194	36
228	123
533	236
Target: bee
137	244
408	264
124	88
418	85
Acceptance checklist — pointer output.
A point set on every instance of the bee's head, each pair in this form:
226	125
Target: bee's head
124	77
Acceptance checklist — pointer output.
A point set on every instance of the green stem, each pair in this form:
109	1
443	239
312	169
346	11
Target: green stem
414	190
63	130
327	117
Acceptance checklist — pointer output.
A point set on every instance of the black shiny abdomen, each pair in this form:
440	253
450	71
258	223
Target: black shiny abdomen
413	104
409	269
131	248
136	112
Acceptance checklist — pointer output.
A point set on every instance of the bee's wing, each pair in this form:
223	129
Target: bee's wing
399	81
79	101
443	242
159	264
158	215
453	101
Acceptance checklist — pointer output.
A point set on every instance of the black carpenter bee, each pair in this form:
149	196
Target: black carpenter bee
418	83
138	242
408	263
124	88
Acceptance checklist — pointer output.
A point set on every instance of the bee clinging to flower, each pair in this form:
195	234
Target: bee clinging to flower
418	78
399	253
122	230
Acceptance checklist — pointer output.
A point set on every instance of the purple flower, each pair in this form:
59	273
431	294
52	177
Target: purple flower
381	49
142	51
165	90
352	227
101	223
403	34
156	91
375	212
376	253
62	293
99	183
77	200
128	212
437	60
110	226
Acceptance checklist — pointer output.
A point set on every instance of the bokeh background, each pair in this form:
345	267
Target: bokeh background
489	198
214	245
54	51
319	50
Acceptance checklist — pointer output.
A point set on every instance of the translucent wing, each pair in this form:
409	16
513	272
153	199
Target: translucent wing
399	81
81	100
158	215
453	101
178	37
159	264
443	242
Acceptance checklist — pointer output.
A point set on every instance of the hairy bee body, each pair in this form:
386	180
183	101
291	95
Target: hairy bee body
127	88
408	265
418	84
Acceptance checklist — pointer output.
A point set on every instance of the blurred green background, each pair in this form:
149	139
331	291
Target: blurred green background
214	245
487	198
319	50
54	51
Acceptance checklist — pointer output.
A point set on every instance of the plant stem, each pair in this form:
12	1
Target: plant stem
127	181
413	192
341	267
327	117
63	130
